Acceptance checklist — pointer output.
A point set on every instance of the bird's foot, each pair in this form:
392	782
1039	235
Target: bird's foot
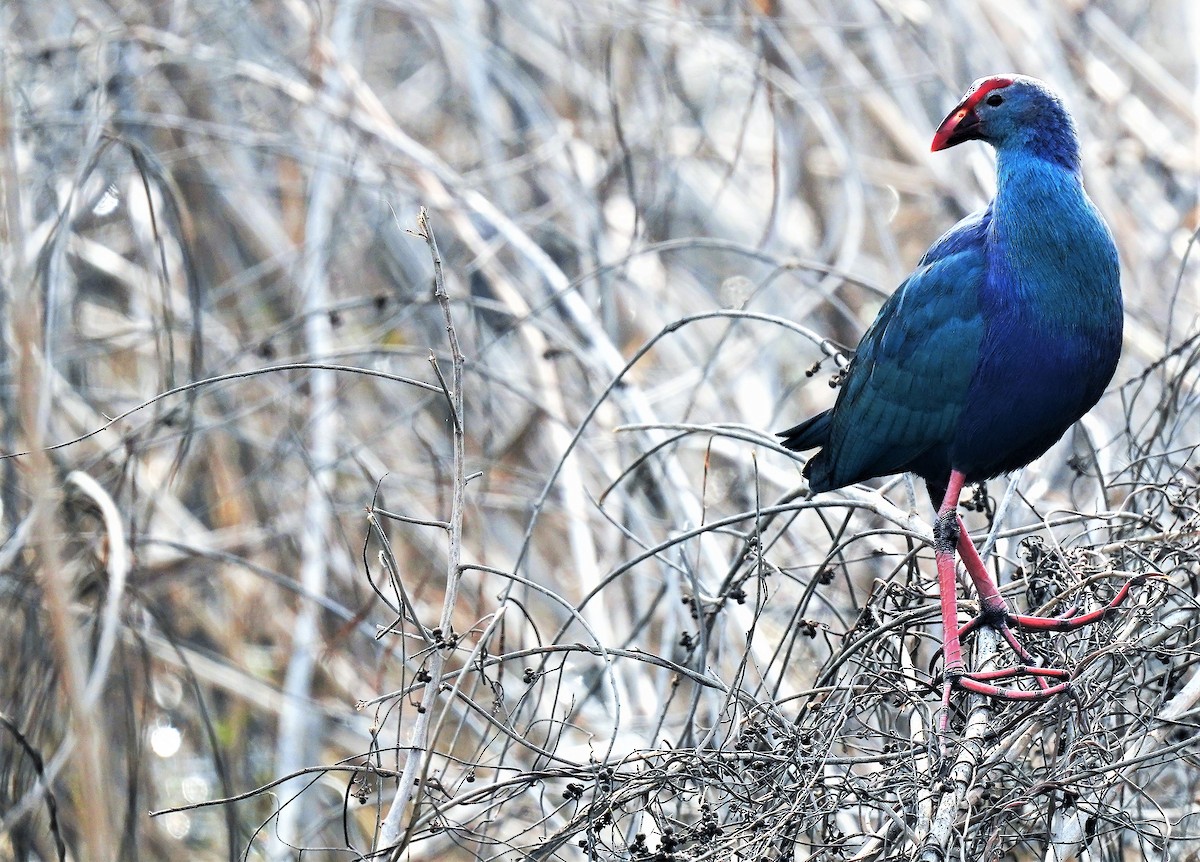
1050	681
983	682
950	535
996	615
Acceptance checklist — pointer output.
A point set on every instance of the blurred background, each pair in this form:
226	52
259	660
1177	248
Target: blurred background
266	590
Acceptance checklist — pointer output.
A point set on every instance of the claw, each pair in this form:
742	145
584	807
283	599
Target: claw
979	682
1005	622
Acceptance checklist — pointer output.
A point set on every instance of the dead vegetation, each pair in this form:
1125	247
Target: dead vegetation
301	553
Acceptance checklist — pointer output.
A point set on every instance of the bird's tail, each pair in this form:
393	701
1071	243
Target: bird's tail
809	434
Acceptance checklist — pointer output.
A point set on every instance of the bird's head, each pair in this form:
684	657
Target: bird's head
1012	112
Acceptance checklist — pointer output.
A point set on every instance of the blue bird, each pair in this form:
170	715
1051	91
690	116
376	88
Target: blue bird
1005	334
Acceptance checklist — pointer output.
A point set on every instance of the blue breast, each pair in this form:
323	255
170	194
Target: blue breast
1051	305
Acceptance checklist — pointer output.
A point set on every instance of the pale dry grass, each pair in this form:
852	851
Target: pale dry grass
658	222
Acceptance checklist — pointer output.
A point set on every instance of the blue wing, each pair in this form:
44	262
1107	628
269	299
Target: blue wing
906	387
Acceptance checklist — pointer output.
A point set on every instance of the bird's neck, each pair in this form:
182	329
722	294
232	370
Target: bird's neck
1037	202
1053	253
1026	179
1052	140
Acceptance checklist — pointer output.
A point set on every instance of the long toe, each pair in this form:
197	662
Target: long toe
1077	620
981	682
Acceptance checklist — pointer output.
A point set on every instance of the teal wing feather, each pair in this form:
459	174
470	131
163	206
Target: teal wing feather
905	389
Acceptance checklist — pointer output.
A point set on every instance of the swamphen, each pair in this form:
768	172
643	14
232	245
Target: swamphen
1006	334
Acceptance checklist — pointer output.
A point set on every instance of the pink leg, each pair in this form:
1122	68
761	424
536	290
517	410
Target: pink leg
950	535
943	550
993	610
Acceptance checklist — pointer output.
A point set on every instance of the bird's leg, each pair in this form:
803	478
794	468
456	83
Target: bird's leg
994	612
949	536
993	609
945	538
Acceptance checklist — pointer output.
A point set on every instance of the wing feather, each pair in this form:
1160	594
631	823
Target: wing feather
905	389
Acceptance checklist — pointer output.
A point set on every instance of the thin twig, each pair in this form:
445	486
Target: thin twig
393	835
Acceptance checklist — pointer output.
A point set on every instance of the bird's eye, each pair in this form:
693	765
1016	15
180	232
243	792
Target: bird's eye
995	99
